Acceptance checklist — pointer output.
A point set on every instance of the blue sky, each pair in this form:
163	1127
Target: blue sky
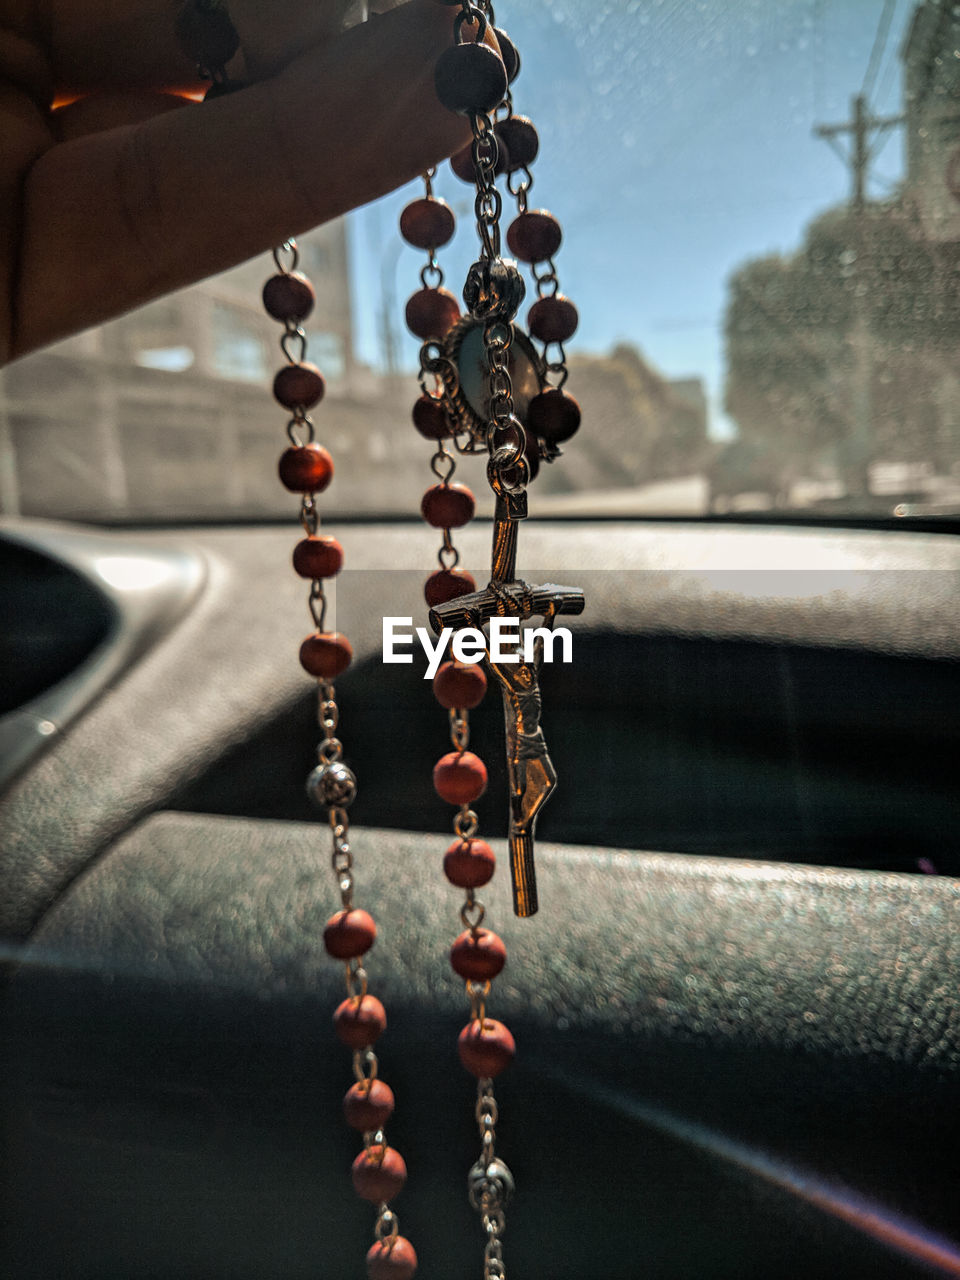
676	142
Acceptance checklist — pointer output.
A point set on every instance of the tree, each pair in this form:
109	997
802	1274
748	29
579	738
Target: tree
795	328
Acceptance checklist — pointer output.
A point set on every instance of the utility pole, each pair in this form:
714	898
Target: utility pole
861	128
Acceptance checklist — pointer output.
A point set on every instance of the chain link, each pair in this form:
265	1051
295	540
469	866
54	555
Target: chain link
387	1227
466	823
459	729
365	1064
488	204
490	1183
443	464
431	274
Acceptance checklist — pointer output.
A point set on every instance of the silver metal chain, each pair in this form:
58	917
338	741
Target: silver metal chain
490	1183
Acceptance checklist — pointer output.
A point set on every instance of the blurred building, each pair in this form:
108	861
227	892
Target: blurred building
931	64
167	411
638	426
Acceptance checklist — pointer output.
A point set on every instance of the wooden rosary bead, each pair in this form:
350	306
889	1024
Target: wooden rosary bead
299	386
378	1174
553	319
448	506
468	864
460	777
534	236
430	419
206	34
448	584
459	684
432	313
461	162
519	135
553	415
428	223
317	557
305	468
470	77
392	1259
349	934
326	654
289	296
368	1105
478	955
486	1048
360	1021
509	53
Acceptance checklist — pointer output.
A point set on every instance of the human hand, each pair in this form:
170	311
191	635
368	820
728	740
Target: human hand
130	191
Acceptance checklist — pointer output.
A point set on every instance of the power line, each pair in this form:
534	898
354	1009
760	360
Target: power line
891	71
879	47
818	56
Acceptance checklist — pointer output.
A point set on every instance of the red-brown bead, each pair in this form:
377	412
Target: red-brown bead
478	955
430	419
428	223
432	313
317	557
368	1105
305	468
470	77
553	415
394	1259
459	684
349	934
534	236
326	654
460	777
378	1174
461	162
299	386
486	1048
553	319
289	296
468	864
448	584
359	1021
519	135
448	506
509	54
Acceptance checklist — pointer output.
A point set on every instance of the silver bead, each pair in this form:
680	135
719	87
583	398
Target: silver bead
332	785
494	290
490	1185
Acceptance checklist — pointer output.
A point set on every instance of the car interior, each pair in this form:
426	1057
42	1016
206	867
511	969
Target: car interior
736	1010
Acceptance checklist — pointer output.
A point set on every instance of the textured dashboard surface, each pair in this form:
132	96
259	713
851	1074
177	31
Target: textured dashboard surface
725	1069
228	667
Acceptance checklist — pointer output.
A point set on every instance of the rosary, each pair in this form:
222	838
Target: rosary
486	389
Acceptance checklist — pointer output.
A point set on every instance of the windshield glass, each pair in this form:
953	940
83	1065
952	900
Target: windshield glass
761	213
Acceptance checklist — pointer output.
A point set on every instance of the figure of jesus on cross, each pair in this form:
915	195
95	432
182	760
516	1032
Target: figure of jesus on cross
530	771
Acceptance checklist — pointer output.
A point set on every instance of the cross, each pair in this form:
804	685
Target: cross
530	771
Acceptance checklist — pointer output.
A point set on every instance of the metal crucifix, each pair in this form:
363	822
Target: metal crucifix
530	771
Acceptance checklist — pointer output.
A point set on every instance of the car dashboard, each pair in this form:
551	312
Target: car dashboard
737	1027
